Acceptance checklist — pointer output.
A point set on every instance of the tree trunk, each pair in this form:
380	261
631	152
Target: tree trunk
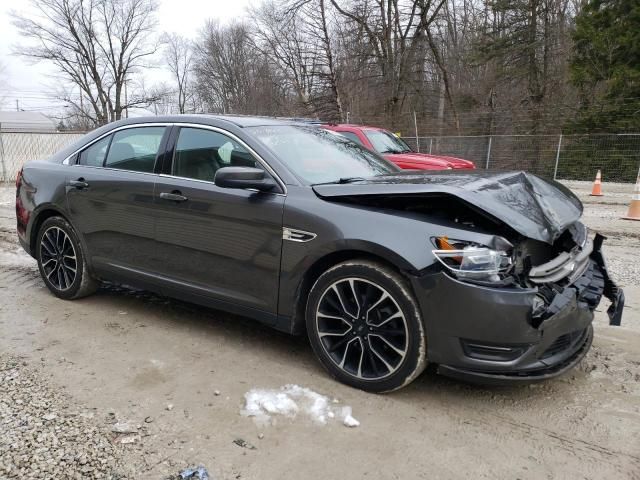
445	78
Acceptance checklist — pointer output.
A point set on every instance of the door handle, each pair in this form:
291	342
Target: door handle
80	183
174	196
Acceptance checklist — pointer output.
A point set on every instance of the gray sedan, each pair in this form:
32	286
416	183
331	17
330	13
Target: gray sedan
489	276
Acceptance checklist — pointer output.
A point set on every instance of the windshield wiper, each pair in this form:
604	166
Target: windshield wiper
341	180
391	151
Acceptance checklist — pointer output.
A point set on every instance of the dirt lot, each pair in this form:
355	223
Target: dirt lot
175	376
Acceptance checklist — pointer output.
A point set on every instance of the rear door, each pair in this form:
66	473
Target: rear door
110	198
218	243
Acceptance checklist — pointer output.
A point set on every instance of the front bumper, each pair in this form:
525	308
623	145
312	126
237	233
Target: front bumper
553	370
490	335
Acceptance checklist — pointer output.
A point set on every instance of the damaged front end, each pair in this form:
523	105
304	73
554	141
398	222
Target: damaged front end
579	271
573	264
516	277
528	318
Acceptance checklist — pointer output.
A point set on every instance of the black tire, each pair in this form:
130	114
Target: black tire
347	307
56	244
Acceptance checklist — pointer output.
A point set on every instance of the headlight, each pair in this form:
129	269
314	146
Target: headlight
472	261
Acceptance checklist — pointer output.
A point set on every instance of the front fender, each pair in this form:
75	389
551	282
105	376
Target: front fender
301	266
343	230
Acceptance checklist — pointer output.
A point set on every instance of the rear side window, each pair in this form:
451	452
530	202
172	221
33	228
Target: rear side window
95	154
135	149
200	153
351	136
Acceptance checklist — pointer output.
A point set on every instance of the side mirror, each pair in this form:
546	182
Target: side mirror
243	177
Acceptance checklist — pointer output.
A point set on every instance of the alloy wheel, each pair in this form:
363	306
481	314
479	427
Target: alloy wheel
58	258
362	328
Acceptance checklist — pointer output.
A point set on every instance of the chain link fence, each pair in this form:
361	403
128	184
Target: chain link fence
17	148
562	157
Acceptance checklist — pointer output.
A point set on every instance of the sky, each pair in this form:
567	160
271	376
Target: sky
32	84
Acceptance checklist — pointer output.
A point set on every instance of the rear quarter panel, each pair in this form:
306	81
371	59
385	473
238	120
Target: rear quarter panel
42	188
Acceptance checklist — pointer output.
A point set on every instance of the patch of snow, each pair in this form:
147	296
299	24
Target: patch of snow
347	419
263	405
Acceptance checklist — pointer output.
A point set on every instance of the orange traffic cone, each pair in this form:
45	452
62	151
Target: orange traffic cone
596	191
634	208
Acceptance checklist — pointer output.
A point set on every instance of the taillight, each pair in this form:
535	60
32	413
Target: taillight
18	180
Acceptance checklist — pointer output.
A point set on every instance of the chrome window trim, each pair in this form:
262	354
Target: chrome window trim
67	160
263	162
116	169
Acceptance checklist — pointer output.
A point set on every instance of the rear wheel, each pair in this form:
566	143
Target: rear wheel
61	261
365	327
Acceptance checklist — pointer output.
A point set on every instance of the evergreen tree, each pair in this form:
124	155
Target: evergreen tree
606	66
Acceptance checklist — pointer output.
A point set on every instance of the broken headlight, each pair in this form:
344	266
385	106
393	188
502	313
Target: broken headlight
471	261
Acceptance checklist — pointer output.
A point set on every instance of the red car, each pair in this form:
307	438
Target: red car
396	150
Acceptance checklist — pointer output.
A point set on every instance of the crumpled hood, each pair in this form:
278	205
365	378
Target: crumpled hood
534	207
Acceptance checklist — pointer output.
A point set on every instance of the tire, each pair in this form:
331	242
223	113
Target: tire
59	253
376	343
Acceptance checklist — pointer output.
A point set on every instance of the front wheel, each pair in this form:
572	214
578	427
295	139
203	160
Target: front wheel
365	326
61	260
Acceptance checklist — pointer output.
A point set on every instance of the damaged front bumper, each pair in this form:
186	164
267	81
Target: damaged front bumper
490	335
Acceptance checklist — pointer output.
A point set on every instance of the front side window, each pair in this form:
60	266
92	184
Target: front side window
135	149
386	142
319	156
93	156
200	153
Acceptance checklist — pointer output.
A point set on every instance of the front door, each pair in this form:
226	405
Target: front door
110	198
215	242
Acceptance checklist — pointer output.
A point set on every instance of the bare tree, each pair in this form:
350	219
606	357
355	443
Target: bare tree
463	66
96	45
233	76
280	36
395	31
315	21
162	99
178	55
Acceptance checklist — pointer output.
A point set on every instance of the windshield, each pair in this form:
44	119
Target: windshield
385	142
319	156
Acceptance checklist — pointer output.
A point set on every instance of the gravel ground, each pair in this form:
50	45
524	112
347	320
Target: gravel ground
128	385
43	435
604	214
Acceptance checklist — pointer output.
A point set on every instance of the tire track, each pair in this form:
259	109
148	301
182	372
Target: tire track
12	276
587	451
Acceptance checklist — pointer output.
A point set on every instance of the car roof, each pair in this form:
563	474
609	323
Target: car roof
255	121
214	119
229	122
